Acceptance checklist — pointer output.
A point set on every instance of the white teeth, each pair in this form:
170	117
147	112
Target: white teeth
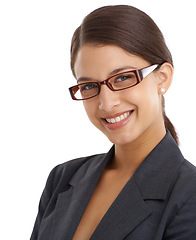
113	120
126	115
119	118
122	117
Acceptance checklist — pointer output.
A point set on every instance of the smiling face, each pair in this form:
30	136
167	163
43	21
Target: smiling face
123	116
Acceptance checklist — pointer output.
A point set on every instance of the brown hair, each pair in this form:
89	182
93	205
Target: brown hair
129	28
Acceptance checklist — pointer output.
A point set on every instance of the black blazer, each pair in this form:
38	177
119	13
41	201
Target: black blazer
158	202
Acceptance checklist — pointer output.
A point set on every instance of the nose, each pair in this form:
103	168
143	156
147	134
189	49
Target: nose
108	99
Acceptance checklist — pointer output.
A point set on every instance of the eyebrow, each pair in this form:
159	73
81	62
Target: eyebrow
115	71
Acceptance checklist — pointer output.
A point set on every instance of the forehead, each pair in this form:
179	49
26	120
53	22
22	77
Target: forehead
99	61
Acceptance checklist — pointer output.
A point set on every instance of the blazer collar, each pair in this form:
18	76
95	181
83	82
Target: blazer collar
153	177
92	169
73	202
126	212
151	180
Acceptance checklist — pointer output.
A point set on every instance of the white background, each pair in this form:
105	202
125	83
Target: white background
40	126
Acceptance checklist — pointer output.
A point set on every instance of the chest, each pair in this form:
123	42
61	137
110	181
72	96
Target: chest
101	212
106	191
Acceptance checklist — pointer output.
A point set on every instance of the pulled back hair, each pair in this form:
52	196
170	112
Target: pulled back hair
132	30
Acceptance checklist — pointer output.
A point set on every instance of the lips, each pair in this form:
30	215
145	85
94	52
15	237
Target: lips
118	120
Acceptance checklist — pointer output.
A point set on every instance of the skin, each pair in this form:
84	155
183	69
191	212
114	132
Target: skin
133	140
146	126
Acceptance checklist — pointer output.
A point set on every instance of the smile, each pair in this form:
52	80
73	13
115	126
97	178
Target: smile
118	119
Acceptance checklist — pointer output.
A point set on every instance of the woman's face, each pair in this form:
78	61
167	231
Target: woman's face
123	116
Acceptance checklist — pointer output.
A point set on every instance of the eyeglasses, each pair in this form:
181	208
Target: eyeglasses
116	82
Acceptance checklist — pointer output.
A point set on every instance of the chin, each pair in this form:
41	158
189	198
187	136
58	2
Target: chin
123	139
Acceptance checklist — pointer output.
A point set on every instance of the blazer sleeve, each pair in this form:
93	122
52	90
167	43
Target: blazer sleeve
183	225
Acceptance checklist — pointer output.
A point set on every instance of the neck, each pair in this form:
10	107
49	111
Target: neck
130	156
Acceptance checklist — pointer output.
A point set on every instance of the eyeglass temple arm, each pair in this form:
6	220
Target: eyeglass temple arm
146	71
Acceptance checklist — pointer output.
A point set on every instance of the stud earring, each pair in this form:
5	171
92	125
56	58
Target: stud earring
162	90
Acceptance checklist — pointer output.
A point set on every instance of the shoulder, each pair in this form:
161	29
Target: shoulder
188	168
186	180
183	189
58	182
182	217
64	172
187	175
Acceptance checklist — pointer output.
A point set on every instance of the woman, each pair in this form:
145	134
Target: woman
143	188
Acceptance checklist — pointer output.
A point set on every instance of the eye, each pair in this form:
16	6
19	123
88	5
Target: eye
122	78
88	86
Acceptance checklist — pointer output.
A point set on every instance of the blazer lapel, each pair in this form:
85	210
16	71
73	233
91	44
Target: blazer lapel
72	203
126	213
151	181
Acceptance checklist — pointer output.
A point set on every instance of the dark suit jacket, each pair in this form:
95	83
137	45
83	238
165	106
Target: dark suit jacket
158	202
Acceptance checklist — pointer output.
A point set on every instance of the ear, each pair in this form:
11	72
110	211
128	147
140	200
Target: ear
165	74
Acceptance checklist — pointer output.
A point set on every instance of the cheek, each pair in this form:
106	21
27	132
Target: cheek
149	107
146	101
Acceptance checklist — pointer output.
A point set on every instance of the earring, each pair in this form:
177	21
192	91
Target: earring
162	90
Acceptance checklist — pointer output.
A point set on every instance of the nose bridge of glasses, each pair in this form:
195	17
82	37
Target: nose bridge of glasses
107	97
107	83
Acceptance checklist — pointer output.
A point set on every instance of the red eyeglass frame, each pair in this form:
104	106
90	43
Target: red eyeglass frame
140	75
